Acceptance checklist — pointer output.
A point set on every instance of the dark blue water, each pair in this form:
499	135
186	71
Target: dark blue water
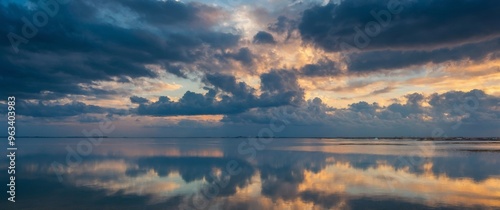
241	173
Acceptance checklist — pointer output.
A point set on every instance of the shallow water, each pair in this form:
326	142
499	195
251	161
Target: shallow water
240	173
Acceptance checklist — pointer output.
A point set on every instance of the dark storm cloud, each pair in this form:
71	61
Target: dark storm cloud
404	33
197	104
227	96
427	23
280	87
413	106
175	69
169	12
78	47
283	25
74	108
138	100
364	107
323	67
244	55
389	59
228	84
263	37
311	112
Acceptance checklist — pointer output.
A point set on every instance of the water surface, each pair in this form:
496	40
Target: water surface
236	173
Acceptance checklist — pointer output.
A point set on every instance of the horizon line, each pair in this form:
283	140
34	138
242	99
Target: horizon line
277	137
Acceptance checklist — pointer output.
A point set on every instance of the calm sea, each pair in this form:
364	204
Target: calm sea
242	173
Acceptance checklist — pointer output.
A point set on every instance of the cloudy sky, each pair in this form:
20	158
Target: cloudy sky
234	67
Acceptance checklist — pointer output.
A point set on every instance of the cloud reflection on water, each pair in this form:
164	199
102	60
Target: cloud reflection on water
306	178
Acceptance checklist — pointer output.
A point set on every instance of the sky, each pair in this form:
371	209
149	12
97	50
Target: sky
305	68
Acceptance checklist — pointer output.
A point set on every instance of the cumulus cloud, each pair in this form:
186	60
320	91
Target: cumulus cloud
244	55
456	112
225	95
263	37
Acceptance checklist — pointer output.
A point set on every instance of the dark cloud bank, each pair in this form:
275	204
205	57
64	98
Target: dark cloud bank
391	34
78	47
